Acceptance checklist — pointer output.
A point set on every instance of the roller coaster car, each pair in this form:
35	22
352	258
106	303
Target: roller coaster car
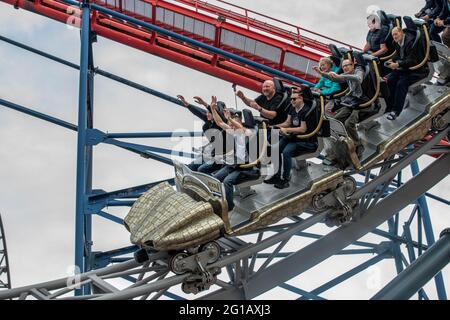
197	212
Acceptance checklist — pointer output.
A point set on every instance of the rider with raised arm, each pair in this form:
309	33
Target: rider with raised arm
231	174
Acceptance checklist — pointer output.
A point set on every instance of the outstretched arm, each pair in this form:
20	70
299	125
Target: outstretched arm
254	105
196	111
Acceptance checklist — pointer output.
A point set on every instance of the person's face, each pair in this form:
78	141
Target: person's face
268	88
325	66
371	24
397	36
348	66
296	100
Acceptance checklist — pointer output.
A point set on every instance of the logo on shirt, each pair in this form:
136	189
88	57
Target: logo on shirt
295	121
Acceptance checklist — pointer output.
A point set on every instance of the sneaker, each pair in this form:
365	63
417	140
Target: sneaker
329	162
283	184
392	116
274	180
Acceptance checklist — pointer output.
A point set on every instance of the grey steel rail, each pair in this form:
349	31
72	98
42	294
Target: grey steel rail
4	262
418	273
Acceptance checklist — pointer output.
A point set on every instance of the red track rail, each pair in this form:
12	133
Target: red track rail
248	37
301	36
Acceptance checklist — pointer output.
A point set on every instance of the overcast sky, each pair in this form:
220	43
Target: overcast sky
37	171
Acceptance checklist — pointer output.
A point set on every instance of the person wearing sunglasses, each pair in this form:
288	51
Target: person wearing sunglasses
299	121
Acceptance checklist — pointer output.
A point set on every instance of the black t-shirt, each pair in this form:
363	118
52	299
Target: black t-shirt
273	105
302	115
376	38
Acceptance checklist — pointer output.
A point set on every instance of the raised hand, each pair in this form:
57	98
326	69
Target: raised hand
213	102
317	69
200	100
183	100
240	94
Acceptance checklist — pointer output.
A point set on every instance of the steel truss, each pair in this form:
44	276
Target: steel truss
249	270
5	276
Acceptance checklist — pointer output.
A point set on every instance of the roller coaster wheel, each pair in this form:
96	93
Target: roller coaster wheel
213	249
175	265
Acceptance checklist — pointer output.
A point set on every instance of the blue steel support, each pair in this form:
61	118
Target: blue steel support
153	135
98	71
193	42
423	209
89	156
38	115
395	246
81	144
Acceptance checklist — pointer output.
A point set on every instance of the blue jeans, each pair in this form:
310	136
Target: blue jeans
231	176
435	31
205	167
291	148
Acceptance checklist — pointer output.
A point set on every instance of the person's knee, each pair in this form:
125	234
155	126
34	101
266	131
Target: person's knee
287	154
350	122
403	85
229	181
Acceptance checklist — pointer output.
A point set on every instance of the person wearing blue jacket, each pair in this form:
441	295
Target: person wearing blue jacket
326	86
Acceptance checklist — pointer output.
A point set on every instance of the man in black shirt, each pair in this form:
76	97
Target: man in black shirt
299	121
376	37
267	103
211	131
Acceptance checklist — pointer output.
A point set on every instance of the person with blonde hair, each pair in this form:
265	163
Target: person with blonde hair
326	86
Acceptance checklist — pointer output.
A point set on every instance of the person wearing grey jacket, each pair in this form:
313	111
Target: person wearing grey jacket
349	113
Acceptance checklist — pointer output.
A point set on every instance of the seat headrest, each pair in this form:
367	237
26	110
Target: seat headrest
409	23
249	120
306	93
384	19
395	19
359	58
336	60
279	87
234	111
368	57
335	51
220	110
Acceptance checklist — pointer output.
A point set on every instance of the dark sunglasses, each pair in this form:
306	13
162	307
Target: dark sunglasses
293	99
